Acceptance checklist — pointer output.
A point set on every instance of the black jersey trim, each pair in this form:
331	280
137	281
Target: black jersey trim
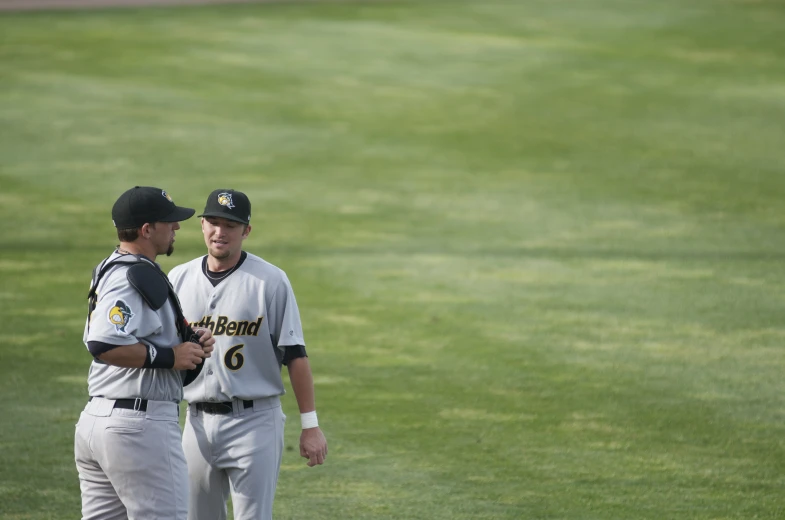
215	278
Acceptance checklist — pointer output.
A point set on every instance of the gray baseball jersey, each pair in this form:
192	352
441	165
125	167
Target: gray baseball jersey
121	317
253	316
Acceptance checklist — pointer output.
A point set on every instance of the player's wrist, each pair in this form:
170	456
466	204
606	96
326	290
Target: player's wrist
308	420
158	357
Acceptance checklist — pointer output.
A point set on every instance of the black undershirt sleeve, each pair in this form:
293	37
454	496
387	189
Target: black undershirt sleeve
97	348
293	352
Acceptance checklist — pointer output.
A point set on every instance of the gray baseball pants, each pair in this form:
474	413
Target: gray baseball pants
131	463
238	453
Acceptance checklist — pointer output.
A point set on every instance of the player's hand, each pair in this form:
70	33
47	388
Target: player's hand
187	355
313	446
206	340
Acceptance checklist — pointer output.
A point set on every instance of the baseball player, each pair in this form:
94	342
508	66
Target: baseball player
127	445
233	436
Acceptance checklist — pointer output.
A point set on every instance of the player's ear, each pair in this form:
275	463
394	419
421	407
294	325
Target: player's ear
247	230
144	231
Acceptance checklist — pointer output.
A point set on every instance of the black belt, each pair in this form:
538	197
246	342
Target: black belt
130	404
220	408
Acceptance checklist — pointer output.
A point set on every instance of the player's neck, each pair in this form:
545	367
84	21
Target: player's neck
217	265
135	248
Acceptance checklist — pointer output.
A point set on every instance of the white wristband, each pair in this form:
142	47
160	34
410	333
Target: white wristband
309	420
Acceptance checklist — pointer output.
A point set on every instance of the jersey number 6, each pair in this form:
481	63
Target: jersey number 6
234	359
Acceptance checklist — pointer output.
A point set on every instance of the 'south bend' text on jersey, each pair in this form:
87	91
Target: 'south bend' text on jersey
225	326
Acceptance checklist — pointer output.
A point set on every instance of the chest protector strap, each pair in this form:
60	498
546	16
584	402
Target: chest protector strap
98	273
151	283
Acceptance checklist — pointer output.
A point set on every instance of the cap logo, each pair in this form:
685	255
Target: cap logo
166	196
225	199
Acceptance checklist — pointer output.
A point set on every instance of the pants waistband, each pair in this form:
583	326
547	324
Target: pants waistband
221	408
137	404
234	407
102	407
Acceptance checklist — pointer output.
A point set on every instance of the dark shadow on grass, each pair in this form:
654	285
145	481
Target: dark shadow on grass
463	251
48	5
636	254
549	253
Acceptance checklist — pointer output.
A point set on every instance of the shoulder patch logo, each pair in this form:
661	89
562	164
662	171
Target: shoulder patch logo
120	315
167	196
225	199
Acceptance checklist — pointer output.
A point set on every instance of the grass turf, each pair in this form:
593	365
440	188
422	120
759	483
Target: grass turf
537	246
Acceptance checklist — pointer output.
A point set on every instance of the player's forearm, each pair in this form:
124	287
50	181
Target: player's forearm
126	356
302	384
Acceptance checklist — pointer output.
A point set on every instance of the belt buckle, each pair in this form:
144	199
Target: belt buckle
214	408
217	408
137	404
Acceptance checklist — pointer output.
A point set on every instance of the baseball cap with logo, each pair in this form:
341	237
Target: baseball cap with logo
143	204
228	204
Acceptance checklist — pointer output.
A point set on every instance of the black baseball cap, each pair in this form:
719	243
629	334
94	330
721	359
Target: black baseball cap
142	204
228	204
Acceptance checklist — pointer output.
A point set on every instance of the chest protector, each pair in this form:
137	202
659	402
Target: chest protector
155	288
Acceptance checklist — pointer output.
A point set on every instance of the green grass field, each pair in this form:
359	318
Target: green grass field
538	246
